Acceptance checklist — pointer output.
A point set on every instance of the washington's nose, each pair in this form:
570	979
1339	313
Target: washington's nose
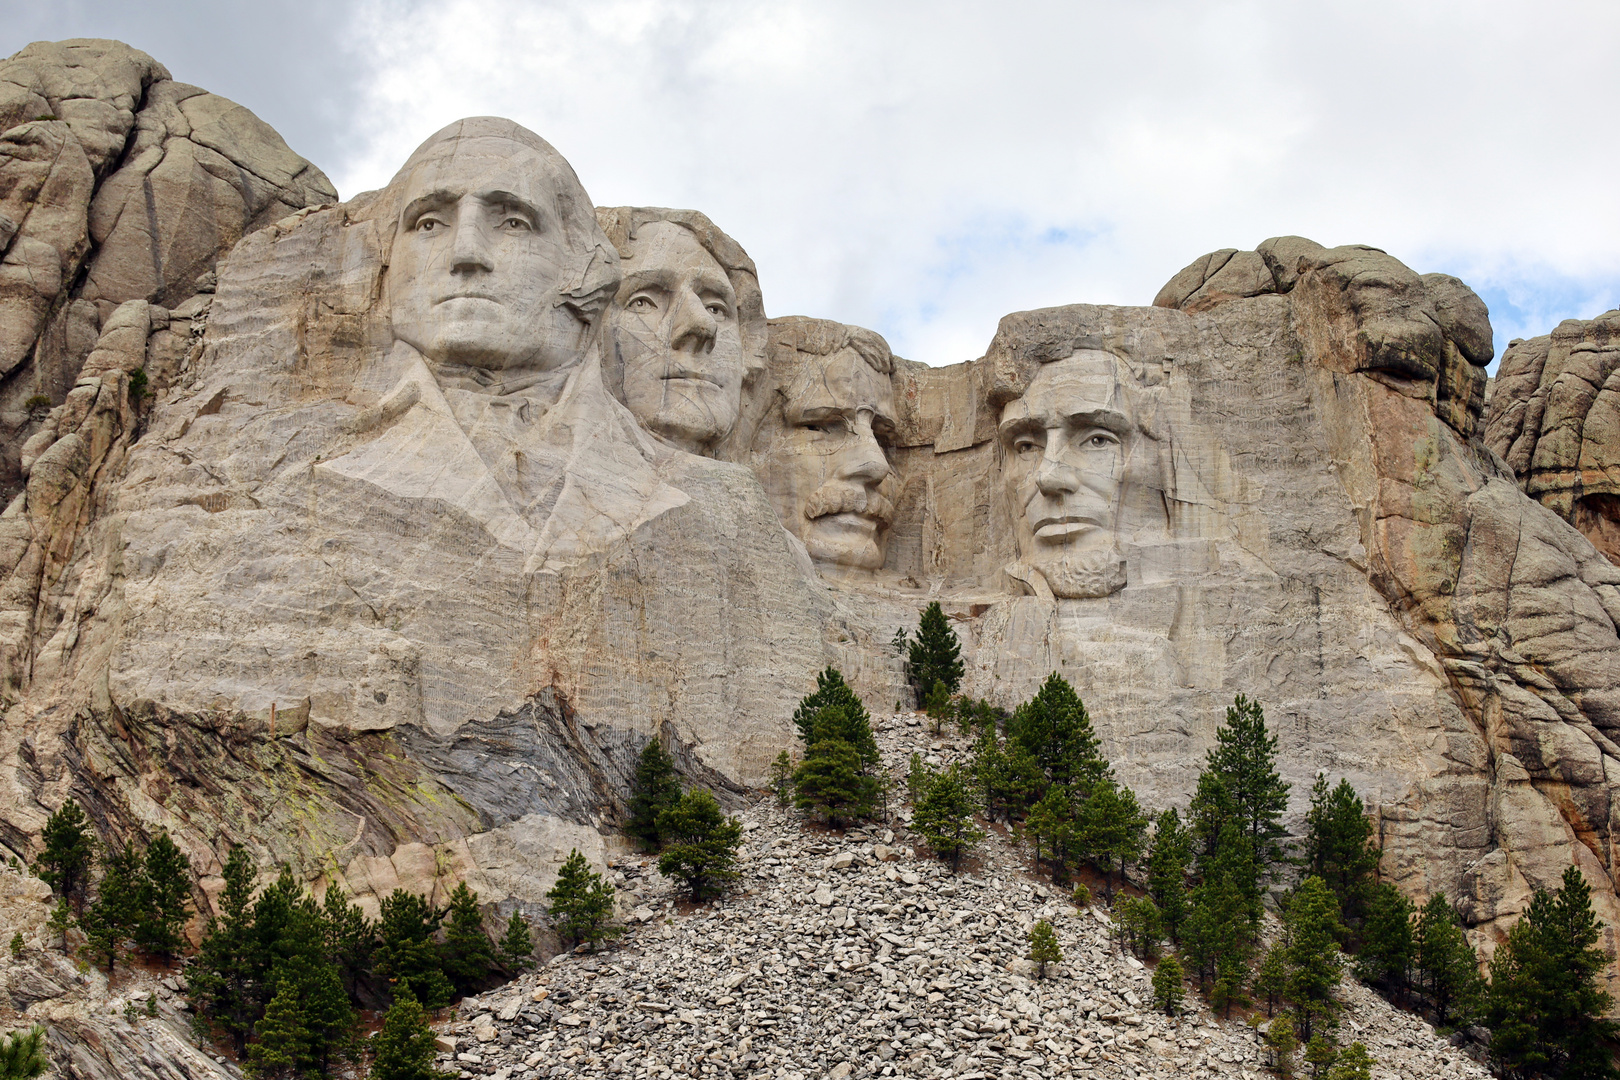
862	459
694	328
471	248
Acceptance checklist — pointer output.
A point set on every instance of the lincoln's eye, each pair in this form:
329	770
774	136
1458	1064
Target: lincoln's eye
642	303
1025	447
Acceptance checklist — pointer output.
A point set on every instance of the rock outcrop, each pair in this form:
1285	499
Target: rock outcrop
387	556
1554	417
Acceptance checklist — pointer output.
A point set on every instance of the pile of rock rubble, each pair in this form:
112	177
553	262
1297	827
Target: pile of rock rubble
856	955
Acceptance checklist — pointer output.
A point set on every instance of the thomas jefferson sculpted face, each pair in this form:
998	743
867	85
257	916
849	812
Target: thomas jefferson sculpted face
826	466
1066	443
678	334
481	257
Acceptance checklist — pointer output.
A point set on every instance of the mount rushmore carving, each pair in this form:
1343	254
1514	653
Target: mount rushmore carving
443	500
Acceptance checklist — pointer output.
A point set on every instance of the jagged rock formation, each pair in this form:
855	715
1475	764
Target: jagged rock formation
386	557
1554	417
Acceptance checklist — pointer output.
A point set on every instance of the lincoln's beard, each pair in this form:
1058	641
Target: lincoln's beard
1081	574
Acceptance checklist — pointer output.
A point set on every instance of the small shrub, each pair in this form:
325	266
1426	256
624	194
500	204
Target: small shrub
137	384
1281	1042
782	777
1043	946
37	402
1081	897
517	946
581	903
16	946
22	1054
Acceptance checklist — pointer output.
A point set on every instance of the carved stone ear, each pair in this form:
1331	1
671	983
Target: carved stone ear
591	291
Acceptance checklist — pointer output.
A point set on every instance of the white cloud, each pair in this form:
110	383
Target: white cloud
924	169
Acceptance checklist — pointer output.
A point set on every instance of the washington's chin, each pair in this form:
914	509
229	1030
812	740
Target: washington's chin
848	540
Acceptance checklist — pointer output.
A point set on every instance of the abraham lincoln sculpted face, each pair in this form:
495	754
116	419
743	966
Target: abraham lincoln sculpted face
483	253
1066	443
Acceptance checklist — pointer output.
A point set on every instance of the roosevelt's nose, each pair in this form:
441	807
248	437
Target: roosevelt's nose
694	327
861	459
470	250
1054	478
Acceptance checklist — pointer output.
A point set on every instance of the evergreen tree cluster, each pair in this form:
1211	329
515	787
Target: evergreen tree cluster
119	899
697	842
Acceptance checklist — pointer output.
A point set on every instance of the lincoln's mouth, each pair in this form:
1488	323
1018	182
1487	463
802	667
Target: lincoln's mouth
1061	527
692	376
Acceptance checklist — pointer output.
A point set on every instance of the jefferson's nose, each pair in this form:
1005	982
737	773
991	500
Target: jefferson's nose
471	248
694	329
861	459
1054	478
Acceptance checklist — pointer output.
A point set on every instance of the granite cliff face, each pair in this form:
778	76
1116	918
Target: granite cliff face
381	535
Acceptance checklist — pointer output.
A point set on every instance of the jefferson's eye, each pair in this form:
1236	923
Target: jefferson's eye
718	311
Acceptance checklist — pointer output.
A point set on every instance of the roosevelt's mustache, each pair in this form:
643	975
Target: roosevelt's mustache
848	499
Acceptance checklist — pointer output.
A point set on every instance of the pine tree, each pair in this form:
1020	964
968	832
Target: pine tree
1320	1054
1231	982
944	817
1240	783
1055	728
1007	774
1043	947
1547	1008
111	920
327	1015
220	977
936	705
22	1054
1282	1043
1168	980
1139	925
281	1051
935	654
1271	977
1448	968
1110	828
1354	1063
405	955
1051	826
782	770
517	944
349	937
656	788
60	922
1168	856
165	903
830	784
1338	845
1217	926
404	1048
1314	930
466	955
1387	949
581	903
700	844
842	723
70	849
831	690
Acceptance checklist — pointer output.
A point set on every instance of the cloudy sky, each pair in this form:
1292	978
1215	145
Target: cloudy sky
923	168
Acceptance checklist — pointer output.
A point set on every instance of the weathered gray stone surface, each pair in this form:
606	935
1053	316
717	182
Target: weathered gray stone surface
405	553
1554	417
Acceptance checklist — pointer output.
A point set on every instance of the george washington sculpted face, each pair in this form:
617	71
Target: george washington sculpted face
481	257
